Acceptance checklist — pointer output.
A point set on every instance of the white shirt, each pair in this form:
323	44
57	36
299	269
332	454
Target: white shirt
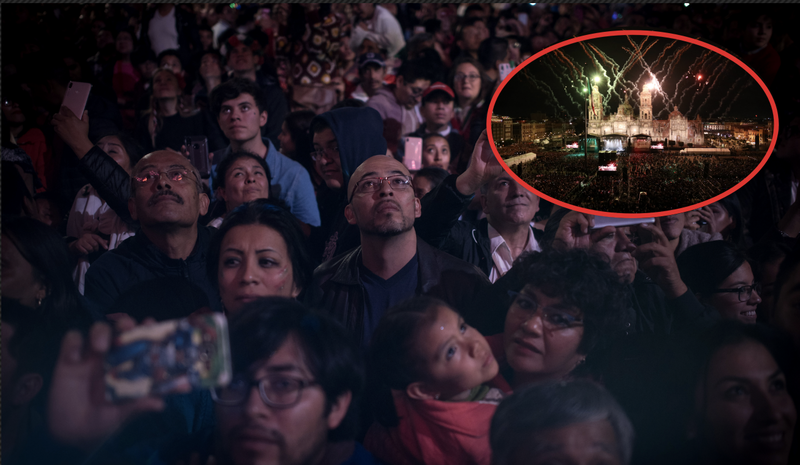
384	30
501	253
162	32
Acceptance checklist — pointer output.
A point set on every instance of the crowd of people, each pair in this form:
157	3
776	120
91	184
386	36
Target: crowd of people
382	306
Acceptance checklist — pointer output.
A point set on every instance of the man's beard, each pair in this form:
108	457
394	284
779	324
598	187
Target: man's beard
389	229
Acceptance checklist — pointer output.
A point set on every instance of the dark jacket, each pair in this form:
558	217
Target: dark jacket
359	135
112	182
277	106
137	260
337	287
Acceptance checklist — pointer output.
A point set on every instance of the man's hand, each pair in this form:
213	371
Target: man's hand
73	131
574	231
692	217
658	261
790	223
483	167
78	413
87	244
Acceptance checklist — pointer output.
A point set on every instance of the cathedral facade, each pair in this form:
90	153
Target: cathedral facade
677	127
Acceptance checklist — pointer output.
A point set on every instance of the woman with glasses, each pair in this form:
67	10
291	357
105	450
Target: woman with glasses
562	305
467	79
720	275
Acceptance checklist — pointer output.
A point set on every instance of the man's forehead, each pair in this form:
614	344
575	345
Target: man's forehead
289	358
378	166
163	160
325	136
244	97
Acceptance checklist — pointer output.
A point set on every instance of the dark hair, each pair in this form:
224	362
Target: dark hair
691	363
132	148
734	208
142	55
554	405
270	213
329	351
467	22
318	125
704	266
491	50
35	344
393	360
583	279
45	250
170	52
233	88
227	162
298	124
434	174
413	70
468	59
348	103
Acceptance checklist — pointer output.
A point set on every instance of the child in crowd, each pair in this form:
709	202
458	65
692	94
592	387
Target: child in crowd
433	403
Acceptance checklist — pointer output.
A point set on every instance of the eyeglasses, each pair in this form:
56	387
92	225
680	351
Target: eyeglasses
276	391
471	77
320	153
174	175
370	185
553	319
744	293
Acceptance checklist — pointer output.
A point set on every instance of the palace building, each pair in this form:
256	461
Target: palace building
677	127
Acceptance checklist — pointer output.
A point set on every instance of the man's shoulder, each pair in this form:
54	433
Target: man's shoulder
342	264
383	98
448	263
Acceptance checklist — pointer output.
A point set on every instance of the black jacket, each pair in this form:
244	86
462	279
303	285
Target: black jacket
185	25
112	182
137	260
337	288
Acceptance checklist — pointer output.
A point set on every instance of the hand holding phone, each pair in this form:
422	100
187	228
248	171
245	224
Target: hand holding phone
171	356
76	96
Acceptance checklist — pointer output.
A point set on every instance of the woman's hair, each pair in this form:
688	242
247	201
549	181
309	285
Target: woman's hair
584	280
434	174
226	164
485	83
272	214
704	266
393	360
554	405
734	208
45	250
155	106
691	362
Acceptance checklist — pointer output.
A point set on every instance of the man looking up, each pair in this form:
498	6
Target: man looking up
243	55
241	111
371	71
398	103
437	111
503	235
391	264
167	199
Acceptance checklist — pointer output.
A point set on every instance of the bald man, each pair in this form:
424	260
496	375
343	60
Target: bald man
392	263
167	199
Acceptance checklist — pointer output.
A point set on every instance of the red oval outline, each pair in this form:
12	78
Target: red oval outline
636	32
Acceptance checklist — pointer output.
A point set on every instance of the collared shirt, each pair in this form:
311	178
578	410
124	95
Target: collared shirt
501	253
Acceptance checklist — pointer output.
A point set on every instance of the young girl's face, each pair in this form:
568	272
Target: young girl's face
456	356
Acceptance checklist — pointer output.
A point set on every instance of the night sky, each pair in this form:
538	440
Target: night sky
693	78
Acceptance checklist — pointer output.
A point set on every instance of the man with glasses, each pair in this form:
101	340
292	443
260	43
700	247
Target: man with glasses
167	199
297	377
392	263
398	104
241	110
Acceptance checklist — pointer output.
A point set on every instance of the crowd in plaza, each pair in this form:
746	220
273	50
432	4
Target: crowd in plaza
379	309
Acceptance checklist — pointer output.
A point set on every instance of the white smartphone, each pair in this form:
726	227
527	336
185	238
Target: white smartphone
603	221
505	70
412	156
76	97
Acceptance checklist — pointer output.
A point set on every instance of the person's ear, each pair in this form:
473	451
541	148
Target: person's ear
482	198
132	209
339	410
419	391
349	215
204	202
26	388
262	119
417	207
400	81
296	290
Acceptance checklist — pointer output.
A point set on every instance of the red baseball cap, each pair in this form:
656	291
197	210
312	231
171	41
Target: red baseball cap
438	86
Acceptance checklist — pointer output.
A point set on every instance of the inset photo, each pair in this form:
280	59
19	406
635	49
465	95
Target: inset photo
633	123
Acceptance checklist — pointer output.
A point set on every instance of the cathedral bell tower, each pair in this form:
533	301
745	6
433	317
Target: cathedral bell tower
646	104
596	105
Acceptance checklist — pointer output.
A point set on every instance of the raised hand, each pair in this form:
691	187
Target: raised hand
574	231
658	261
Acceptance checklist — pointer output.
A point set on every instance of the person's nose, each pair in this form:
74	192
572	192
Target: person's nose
515	190
253	405
533	324
250	178
248	273
754	299
768	408
385	189
624	244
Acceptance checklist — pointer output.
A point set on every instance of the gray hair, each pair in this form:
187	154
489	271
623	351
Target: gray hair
555	405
